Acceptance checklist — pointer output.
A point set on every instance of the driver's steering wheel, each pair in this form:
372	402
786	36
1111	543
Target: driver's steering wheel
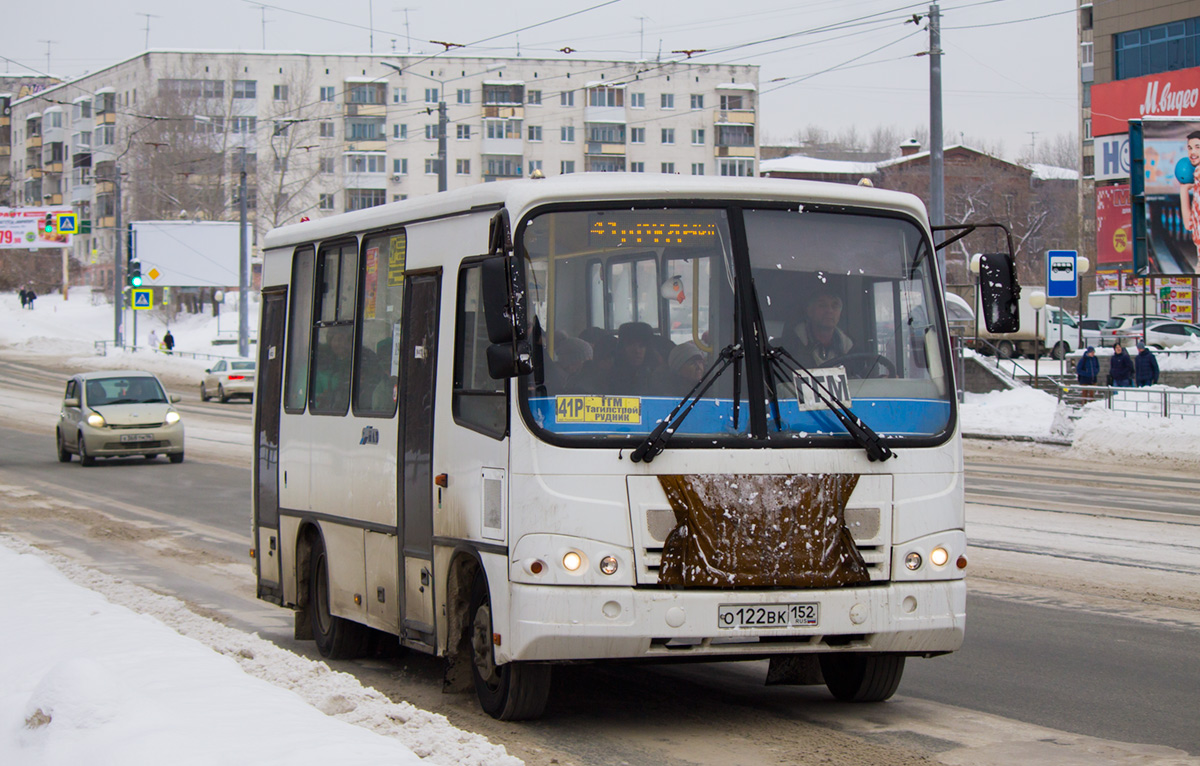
861	364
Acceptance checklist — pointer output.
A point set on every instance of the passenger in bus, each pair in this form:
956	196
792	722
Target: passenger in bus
816	339
331	370
686	365
637	369
562	373
594	376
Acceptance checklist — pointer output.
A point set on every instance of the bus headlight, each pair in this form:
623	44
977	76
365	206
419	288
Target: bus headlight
172	418
939	556
572	561
95	420
608	565
913	561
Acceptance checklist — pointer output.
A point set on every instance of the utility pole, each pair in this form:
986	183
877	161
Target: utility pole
937	173
371	22
442	124
118	262
243	266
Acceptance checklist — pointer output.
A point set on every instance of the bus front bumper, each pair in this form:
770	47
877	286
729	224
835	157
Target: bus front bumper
575	623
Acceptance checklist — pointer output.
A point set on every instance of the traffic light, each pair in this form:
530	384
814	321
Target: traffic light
48	224
135	273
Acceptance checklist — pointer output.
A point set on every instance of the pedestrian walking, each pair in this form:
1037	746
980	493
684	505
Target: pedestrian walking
30	296
1146	366
1088	371
169	341
24	297
1120	368
152	341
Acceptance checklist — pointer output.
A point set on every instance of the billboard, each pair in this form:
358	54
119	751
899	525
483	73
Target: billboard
1167	94
1114	244
1112	157
1171	148
188	253
21	228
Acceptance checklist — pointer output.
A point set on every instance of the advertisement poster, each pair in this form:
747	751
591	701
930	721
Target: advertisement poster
21	228
1172	153
1113	226
1167	94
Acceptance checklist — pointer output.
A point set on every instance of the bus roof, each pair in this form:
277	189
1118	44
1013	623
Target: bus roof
521	195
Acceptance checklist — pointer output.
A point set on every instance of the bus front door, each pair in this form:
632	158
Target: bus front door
422	295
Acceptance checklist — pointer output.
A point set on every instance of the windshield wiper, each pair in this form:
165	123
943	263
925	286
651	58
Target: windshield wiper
656	442
863	435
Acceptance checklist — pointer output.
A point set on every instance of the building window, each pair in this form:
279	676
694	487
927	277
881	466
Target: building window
637	135
567	134
732	103
667	101
637	167
399	95
431	167
431	132
357	199
668	136
399	197
1087	53
464	95
400	166
365	163
607	133
431	95
668	167
637	100
566	166
244	88
1087	129
735	135
327	130
566	98
281	93
325	202
502	128
737	167
364	130
505	167
697	168
535	133
697	100
462	167
534	97
535	165
327	164
605	95
697	136
367	93
463	131
281	164
1089	165
1087	95
503	94
1161	48
399	132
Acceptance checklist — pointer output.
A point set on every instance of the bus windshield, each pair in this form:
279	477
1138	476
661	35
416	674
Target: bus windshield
630	307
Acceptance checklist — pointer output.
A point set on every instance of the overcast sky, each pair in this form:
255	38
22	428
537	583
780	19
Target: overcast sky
832	63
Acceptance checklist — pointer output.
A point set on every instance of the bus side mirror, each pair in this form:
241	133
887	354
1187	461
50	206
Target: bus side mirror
999	292
502	283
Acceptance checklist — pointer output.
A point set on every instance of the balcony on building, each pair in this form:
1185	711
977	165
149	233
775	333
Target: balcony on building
104	106
33	190
365	134
504	99
5	110
736	103
605	138
104	175
54	125
605	102
53	155
502	137
365	170
593	164
81	112
33	131
501	167
365	97
734	140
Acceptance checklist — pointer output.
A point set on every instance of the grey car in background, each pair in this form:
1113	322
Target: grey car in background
227	379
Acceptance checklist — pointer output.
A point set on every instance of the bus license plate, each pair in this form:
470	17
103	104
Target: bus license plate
735	616
137	437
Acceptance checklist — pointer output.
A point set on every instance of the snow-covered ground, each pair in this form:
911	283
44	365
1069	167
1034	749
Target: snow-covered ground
95	670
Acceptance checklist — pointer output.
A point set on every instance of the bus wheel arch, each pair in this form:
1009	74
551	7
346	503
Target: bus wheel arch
464	568
337	638
513	691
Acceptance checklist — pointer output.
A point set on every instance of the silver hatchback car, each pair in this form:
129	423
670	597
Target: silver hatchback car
118	413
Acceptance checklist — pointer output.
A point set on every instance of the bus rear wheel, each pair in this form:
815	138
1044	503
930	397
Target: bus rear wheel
337	638
515	691
862	677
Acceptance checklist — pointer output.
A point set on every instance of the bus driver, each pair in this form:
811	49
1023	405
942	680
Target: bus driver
816	339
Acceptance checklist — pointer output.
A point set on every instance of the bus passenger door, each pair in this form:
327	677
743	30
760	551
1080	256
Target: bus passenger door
266	443
422	294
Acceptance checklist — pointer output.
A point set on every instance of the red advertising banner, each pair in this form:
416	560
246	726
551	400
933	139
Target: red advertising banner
22	227
1168	94
1114	222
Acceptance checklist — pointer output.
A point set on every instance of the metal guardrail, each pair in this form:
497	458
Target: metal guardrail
1157	401
999	365
176	352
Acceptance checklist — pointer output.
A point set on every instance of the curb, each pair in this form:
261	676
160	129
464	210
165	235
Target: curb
1021	438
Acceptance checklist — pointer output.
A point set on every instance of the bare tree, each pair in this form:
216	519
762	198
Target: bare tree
291	149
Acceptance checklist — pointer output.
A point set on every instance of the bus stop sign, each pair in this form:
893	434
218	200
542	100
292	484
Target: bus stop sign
1061	274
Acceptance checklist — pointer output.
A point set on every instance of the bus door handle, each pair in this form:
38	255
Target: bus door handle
425	577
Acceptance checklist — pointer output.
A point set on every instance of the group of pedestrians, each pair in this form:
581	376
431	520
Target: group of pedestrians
28	296
1123	371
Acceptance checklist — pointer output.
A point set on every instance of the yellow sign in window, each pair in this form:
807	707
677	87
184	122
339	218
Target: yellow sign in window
598	409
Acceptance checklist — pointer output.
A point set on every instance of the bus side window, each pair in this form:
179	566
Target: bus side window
479	402
381	285
299	332
333	332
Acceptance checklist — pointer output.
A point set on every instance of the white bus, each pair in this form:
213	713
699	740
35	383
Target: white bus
614	417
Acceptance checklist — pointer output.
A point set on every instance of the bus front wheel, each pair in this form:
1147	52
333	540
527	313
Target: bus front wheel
337	638
514	691
862	677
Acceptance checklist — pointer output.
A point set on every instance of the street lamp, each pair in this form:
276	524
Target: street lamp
1037	301
218	298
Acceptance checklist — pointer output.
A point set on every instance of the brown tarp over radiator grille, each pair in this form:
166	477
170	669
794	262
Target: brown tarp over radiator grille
760	531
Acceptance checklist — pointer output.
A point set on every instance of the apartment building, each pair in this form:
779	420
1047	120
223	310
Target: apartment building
168	133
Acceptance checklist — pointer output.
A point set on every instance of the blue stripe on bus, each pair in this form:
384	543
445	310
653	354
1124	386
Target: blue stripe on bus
900	417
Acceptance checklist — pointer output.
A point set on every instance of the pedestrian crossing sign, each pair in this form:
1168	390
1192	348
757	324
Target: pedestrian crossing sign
67	223
143	299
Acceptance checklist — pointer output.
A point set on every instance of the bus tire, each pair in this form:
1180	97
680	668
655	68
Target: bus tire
337	638
862	677
515	691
